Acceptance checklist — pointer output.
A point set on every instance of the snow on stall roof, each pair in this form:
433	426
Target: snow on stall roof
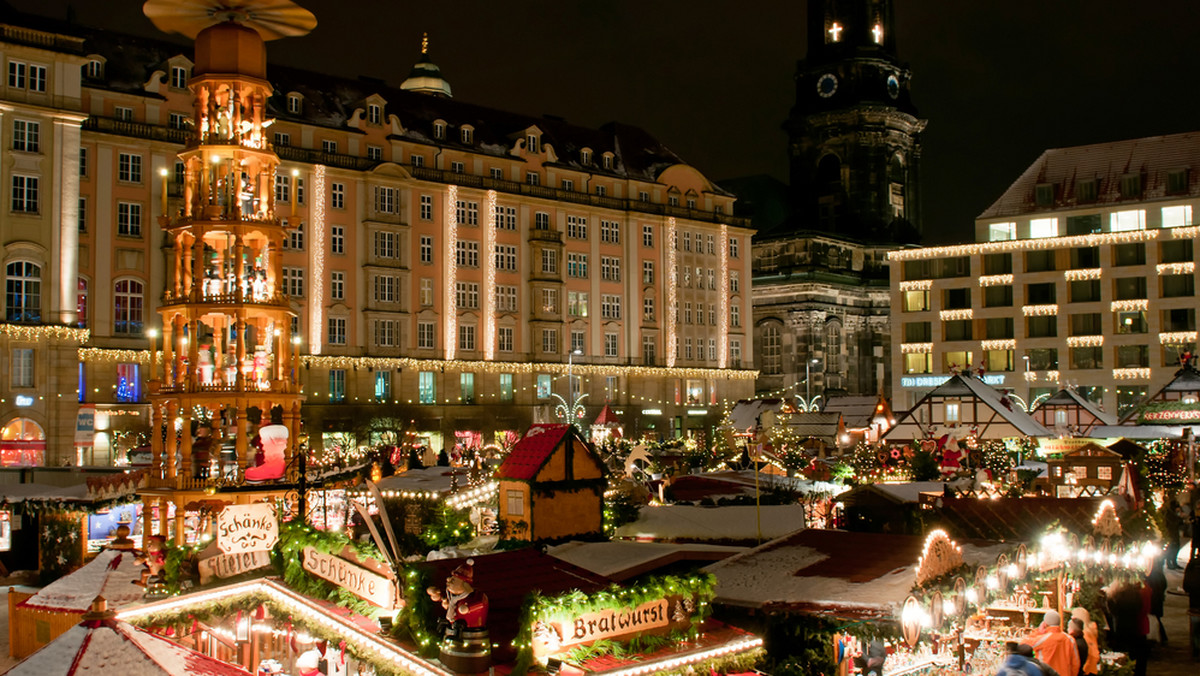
430	479
111	575
712	524
838	572
619	559
103	647
21	492
909	492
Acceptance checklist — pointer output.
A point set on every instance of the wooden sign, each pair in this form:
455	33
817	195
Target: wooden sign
230	565
365	584
590	627
247	528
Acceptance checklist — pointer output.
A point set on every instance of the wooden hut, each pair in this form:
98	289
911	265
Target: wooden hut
551	486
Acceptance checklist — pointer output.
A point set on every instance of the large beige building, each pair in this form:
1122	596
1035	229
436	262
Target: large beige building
1083	274
450	264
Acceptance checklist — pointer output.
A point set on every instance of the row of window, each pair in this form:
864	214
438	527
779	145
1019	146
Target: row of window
771	348
1046	359
23	299
1118	221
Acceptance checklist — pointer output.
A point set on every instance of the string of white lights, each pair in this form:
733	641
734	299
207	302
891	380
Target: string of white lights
451	259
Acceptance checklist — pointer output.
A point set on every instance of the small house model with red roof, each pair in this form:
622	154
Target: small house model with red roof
551	486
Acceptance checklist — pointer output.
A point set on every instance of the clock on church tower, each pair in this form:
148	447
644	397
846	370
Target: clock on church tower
854	134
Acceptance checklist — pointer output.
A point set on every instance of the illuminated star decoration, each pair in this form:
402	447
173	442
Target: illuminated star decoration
572	414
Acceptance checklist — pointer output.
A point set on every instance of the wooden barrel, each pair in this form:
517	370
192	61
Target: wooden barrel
468	653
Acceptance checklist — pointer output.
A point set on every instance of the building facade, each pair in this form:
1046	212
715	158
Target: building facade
1082	275
448	264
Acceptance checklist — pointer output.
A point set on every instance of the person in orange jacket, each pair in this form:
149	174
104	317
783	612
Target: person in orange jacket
1091	634
1053	646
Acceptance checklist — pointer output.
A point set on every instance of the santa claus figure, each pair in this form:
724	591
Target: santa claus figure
465	607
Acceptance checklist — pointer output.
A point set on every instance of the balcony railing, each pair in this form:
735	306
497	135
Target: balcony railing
155	132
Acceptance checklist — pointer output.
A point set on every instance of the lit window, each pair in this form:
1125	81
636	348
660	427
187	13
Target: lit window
127	307
516	503
383	385
1123	221
1000	232
22	367
427	387
337	385
543	386
1043	227
506	387
1174	217
128	383
952	411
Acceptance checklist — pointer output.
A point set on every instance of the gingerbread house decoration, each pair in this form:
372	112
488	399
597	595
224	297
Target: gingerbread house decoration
1089	465
551	486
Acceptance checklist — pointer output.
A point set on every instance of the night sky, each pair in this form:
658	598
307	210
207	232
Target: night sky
999	81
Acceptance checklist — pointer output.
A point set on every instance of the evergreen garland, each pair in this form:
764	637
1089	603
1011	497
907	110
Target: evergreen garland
294	536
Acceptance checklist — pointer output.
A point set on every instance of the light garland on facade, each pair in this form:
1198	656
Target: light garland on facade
1130	305
1177	337
364	642
1023	245
916	348
672	293
1131	374
393	363
1000	344
956	315
474	496
1176	268
1186	233
101	355
1052	376
316	286
451	258
673	664
995	280
489	278
918	285
1085	341
723	322
40	333
1031	376
1039	310
1083	275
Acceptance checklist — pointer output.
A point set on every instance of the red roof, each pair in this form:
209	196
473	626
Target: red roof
606	417
532	451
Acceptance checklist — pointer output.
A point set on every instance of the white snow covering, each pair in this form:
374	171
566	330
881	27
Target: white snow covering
767	574
22	492
613	558
430	479
118	648
911	492
736	523
101	577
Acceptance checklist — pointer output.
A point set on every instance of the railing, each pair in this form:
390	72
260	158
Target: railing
112	125
27	36
293	154
234	298
536	234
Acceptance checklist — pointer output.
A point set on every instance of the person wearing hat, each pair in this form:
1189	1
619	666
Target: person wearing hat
1016	663
465	607
1054	647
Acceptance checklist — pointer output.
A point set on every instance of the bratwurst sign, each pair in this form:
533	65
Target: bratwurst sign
247	528
589	627
365	584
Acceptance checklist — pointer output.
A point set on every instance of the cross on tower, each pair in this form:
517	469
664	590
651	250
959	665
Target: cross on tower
835	31
877	31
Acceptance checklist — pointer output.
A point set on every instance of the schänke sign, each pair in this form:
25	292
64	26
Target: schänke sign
365	584
247	528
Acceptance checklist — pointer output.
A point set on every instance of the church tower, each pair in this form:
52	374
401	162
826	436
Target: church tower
854	134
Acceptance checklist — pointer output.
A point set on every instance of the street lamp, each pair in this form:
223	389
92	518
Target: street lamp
571	380
808	381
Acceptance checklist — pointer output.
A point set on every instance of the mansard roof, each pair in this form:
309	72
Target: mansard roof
1152	158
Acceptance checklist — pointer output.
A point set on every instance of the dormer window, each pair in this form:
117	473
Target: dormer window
179	77
585	156
94	69
1043	194
293	104
691	202
531	143
608	161
467	135
673	200
439	130
374	113
1131	185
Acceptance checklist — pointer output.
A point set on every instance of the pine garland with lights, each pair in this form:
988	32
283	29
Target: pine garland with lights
294	536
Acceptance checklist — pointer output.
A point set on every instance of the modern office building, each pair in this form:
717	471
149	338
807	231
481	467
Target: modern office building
448	265
1083	273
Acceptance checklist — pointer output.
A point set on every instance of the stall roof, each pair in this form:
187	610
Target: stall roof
111	575
109	646
429	479
732	483
857	410
1069	397
851	575
1142	432
22	492
903	493
731	524
532	451
622	559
